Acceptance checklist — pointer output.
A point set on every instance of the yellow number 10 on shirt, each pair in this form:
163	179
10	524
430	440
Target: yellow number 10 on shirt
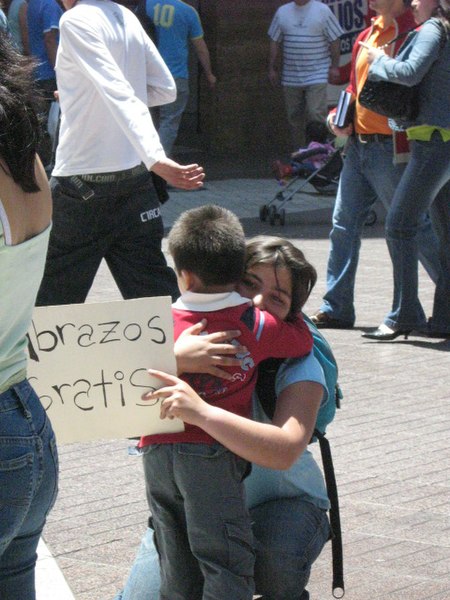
163	15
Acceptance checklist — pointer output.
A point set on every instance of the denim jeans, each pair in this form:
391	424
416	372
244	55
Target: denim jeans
202	526
120	223
28	487
368	173
289	535
424	185
170	116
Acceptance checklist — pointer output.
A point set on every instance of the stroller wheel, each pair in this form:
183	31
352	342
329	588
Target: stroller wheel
282	217
272	215
371	219
263	212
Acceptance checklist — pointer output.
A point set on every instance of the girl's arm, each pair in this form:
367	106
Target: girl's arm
410	71
275	445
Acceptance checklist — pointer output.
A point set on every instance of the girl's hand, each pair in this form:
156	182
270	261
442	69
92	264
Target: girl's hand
196	353
178	399
372	53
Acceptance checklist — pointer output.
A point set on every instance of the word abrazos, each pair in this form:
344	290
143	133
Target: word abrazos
107	344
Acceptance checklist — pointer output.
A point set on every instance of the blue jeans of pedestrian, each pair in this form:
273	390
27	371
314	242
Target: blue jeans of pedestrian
28	487
202	526
425	185
170	116
368	174
289	535
121	223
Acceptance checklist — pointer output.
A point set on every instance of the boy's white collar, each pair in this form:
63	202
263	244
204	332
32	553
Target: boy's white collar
195	302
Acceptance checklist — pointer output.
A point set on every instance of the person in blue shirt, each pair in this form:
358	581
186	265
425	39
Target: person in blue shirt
43	38
285	491
174	24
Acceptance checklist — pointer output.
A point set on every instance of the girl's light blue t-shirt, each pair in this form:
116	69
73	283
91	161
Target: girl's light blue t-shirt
304	478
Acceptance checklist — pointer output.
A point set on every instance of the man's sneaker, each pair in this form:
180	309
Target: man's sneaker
323	320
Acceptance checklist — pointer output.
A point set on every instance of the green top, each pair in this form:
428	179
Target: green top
424	133
21	268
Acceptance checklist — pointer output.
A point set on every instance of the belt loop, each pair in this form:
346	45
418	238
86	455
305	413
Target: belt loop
18	392
86	192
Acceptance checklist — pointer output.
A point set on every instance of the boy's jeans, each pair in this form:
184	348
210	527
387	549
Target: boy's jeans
202	526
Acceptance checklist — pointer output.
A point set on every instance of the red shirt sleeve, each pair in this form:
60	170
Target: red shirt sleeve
282	339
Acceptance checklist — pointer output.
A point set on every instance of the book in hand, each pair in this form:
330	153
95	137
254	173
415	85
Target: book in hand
345	110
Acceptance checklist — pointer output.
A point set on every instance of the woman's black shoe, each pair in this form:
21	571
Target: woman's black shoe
386	334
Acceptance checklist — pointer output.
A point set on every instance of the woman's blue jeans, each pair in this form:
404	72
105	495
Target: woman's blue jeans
28	487
290	534
425	185
368	173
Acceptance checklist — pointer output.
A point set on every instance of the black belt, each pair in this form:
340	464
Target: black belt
113	177
81	181
365	138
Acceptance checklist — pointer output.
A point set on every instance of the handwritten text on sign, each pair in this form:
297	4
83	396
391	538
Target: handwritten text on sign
88	364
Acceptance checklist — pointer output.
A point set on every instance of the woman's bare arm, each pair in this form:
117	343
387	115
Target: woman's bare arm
276	445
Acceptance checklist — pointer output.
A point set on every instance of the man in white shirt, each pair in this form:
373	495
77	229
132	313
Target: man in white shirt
306	34
105	206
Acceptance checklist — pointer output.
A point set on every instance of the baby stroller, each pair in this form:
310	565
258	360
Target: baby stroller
323	179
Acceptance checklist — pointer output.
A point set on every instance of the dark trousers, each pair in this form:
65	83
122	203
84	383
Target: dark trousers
47	88
118	220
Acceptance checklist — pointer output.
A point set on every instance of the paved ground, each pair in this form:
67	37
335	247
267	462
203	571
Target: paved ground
390	441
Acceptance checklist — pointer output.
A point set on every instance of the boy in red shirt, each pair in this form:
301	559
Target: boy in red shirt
195	485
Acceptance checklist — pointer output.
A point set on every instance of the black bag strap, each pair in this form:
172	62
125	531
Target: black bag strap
400	36
335	519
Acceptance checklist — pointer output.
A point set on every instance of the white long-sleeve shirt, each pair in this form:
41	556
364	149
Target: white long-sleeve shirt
108	73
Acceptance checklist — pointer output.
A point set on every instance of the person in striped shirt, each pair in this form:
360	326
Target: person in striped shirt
304	41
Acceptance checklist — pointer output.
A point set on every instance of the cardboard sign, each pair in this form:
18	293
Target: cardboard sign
88	364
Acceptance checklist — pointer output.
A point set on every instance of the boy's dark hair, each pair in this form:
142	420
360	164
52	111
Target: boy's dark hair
317	131
209	241
20	129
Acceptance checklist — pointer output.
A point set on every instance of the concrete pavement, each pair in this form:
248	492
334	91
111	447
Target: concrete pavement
390	440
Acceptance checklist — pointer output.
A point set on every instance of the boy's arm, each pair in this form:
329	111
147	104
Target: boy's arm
282	339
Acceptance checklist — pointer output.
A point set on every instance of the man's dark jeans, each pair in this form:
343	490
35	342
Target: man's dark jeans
120	222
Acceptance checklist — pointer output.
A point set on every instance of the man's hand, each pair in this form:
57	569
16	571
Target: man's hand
341	131
185	177
338	131
212	80
274	77
334	75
